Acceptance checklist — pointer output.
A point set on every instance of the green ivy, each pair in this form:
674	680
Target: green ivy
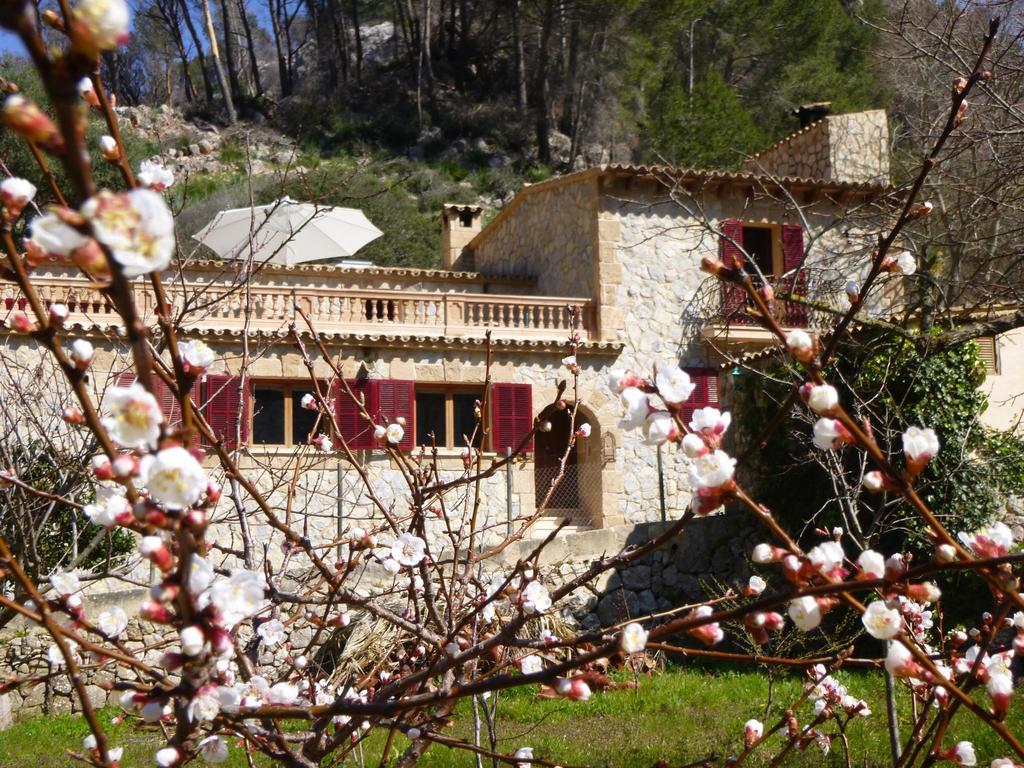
896	387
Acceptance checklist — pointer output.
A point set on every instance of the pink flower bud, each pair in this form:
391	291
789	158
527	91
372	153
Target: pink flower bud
58	315
101	468
109	149
213	493
125	465
20	322
72	415
156	612
153	548
81	353
28	121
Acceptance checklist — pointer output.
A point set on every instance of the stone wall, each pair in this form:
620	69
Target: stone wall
853	148
1005	388
548	233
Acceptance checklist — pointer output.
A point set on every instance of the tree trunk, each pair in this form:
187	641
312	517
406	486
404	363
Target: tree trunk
207	85
229	104
171	22
520	58
358	40
250	45
568	119
282	62
229	47
340	38
541	96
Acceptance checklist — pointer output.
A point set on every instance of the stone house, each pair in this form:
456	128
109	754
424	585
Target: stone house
611	253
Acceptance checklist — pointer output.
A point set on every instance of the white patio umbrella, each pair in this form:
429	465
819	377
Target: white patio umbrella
287	232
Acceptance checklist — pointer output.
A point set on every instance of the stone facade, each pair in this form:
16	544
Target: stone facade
846	148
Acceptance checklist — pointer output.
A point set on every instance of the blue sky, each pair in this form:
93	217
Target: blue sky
10	42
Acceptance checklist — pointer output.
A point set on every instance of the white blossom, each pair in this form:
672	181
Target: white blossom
64	583
712	470
800	343
920	444
805	613
408	550
872	564
213	749
881	621
135	416
673	384
826	433
660	428
192	640
711	420
636	407
394	433
693	446
173	477
109	503
633	638
81	352
238	597
112	622
154	175
823	398
272	632
531	665
104	23
167	757
54	236
17	192
283	693
906	263
196	354
535	598
137	226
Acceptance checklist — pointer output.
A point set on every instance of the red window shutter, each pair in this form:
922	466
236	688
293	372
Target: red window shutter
221	404
390	399
733	298
792	259
511	416
357	433
705	392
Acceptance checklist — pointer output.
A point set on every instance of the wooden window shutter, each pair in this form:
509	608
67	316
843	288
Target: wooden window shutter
987	353
391	398
733	298
221	405
792	259
705	393
356	431
511	416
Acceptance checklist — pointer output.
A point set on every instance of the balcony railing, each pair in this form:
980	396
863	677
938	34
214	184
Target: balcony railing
444	315
737	308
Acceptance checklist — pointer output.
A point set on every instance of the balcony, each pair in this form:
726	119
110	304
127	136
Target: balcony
219	306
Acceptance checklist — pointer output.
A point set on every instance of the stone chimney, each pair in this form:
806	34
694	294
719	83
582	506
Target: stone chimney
459	225
851	148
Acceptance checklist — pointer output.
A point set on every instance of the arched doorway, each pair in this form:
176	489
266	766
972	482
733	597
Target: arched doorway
578	494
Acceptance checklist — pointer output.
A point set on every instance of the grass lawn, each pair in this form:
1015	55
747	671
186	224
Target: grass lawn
680	716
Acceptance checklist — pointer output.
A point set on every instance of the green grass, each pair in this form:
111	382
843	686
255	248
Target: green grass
681	716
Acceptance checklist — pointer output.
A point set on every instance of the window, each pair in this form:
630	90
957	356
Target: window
705	391
447	418
988	351
777	250
278	417
759	243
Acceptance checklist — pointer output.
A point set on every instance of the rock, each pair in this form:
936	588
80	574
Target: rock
618	606
481	145
595	154
670	576
429	135
193	149
283	158
638	577
560	145
172	152
6	716
500	160
206	146
648	602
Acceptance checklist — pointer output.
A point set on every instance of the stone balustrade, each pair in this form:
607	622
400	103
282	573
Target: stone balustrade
221	306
